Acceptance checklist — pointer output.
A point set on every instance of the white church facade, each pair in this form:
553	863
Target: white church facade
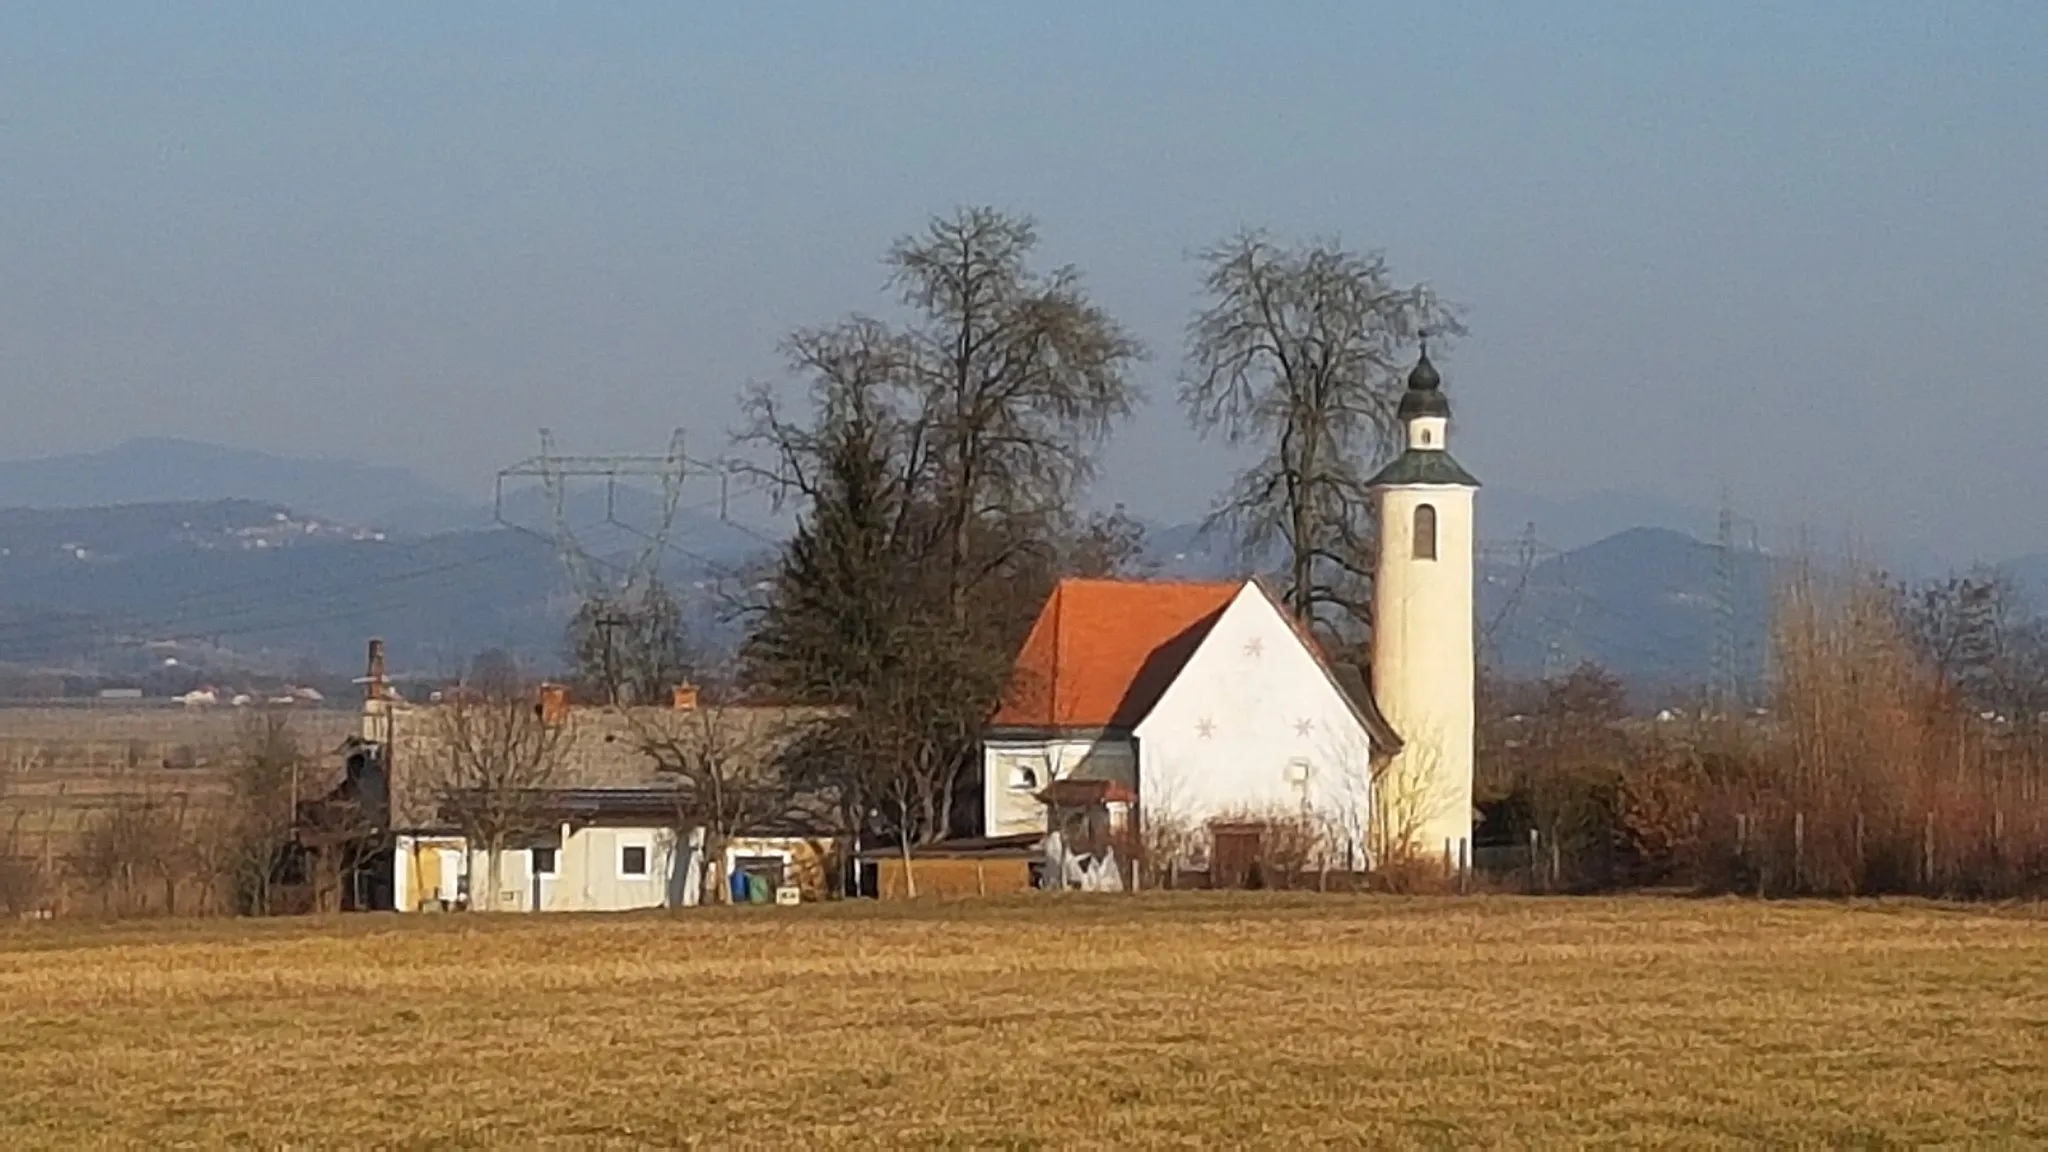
1194	704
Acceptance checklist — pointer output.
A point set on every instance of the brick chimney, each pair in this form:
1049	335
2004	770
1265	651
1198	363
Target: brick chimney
374	679
685	698
375	725
554	704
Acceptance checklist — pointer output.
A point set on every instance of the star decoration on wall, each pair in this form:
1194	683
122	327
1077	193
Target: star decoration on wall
1255	647
1304	727
1205	728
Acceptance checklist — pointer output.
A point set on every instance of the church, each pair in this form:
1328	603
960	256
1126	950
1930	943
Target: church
1174	710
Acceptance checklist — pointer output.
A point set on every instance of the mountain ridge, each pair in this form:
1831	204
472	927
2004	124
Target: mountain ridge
160	469
279	580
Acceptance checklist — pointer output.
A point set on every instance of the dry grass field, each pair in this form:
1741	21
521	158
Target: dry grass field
1217	1019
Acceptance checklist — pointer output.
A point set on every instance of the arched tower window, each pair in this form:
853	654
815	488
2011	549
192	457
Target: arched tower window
1425	532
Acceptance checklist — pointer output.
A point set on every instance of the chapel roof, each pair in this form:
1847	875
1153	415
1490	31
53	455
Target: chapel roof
1104	651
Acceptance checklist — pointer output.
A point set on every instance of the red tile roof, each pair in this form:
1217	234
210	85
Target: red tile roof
1103	651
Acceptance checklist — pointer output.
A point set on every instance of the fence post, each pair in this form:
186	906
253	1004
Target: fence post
1464	865
1535	862
1798	852
1927	854
1450	861
1556	861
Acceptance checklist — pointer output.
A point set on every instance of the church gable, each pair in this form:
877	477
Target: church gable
1255	663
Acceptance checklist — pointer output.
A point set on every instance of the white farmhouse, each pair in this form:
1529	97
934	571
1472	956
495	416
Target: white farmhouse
612	834
606	828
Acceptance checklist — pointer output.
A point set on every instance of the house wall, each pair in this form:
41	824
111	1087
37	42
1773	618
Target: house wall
1011	808
590	877
1254	725
514	881
1423	664
587	872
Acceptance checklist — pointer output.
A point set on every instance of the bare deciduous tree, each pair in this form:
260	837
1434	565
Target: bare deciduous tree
24	879
1985	644
498	754
630	647
128	849
1109	544
724	764
937	465
240	845
1017	375
1300	353
1407	795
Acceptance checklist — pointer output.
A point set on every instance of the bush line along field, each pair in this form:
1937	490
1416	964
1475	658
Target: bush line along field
65	769
1236	1019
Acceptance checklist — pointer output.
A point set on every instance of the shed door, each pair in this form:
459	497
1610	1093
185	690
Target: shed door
426	867
451	873
1233	856
769	868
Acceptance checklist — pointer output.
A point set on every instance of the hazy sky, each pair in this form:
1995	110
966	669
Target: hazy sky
1800	249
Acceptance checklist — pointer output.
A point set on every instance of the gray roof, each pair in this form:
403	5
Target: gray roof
603	751
1423	466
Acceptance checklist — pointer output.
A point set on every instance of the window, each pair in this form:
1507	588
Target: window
543	861
1425	437
1425	532
632	860
1023	778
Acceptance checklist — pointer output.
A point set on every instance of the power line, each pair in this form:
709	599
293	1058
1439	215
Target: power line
671	471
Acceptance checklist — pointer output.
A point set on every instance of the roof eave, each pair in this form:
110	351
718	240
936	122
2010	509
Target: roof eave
1024	733
1423	468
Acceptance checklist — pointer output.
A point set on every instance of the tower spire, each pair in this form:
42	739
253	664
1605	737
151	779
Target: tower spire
1424	409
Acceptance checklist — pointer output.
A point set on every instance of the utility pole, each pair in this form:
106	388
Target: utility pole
1722	676
607	622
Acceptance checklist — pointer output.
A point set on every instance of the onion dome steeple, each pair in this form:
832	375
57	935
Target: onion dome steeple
1425	395
1425	415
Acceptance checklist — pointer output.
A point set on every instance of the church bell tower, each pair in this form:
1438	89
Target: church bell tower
1422	627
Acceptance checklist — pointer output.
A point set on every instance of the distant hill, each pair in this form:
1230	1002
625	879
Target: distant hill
257	585
157	470
64	539
2030	573
1646	603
